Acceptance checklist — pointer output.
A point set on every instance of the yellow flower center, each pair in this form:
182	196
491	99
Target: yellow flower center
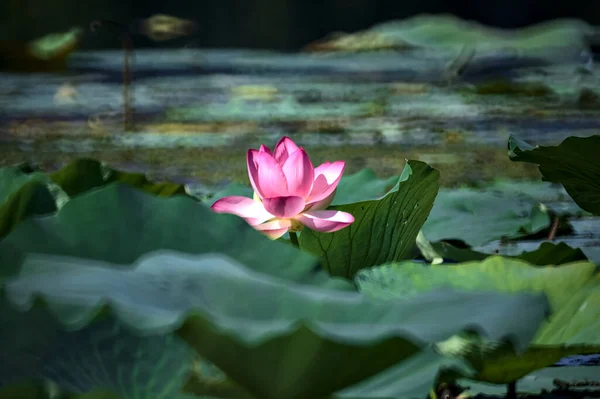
296	226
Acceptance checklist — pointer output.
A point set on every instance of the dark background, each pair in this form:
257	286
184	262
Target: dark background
270	24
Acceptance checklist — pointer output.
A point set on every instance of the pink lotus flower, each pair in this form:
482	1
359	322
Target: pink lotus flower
289	193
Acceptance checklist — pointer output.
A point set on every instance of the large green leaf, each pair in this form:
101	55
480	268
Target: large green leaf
117	223
478	217
362	186
103	355
573	291
277	338
24	390
25	192
547	379
553	195
83	175
384	230
573	163
12	178
34	198
408	379
546	254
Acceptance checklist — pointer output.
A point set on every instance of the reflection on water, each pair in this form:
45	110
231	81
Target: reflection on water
197	112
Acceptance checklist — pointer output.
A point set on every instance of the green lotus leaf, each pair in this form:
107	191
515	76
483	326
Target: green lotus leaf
277	338
34	198
362	186
573	163
34	391
231	189
12	178
546	254
550	194
384	230
24	390
117	223
408	379
573	291
103	355
25	193
442	31
547	379
478	217
83	175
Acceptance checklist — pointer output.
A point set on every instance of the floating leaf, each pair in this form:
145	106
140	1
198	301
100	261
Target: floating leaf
384	230
550	194
573	291
448	32
573	163
553	254
276	338
547	379
478	217
547	254
406	380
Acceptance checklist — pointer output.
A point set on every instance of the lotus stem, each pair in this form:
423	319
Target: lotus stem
127	42
511	390
554	229
458	65
294	239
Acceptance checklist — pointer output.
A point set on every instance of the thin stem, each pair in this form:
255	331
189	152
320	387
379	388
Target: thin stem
511	392
294	239
127	43
553	230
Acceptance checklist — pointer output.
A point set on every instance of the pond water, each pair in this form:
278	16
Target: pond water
196	112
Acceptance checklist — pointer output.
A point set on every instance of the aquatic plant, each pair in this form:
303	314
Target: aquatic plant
117	286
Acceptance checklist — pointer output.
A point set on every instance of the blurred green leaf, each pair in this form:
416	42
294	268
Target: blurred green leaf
118	223
573	291
362	186
546	254
84	174
256	327
573	163
478	217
